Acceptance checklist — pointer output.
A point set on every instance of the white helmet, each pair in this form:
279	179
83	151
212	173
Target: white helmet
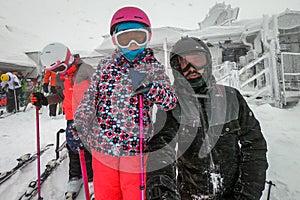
56	57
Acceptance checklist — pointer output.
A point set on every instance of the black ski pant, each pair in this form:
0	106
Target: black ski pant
74	163
52	109
11	95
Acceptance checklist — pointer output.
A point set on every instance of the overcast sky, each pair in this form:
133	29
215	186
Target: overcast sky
75	21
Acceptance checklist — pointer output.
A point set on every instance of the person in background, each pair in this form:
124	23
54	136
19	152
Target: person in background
72	73
12	86
107	119
22	81
50	78
211	137
2	99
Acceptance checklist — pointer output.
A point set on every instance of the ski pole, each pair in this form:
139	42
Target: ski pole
84	173
38	151
141	127
269	189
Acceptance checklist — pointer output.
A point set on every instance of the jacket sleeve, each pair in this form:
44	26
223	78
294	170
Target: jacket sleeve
161	91
253	163
161	164
86	110
82	83
53	77
162	95
47	77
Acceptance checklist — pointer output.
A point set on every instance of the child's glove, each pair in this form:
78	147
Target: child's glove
138	83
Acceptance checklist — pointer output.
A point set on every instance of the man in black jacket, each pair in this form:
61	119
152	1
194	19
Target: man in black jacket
211	145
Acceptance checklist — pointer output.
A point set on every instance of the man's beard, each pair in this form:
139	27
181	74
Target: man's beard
192	72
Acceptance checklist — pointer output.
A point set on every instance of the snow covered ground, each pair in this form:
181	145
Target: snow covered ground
18	136
281	128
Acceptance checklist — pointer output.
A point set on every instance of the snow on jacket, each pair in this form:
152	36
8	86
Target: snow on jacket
222	156
71	86
13	82
107	119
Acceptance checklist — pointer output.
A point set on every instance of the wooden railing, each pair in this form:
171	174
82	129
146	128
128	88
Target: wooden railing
296	74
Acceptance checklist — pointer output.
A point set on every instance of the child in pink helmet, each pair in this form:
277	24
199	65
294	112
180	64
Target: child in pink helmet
107	120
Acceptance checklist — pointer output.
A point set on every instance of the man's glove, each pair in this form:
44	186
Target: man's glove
38	99
53	90
45	87
72	139
137	81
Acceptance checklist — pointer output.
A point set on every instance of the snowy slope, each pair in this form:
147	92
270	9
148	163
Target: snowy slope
281	128
18	136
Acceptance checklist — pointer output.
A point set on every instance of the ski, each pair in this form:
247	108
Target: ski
4	115
32	187
23	161
72	195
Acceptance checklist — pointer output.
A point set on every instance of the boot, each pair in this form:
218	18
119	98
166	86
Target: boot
74	187
91	188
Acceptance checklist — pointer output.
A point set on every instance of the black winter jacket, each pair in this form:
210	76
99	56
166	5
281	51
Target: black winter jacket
215	144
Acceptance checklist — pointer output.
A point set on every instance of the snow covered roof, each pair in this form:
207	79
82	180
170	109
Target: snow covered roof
14	44
289	19
218	33
20	49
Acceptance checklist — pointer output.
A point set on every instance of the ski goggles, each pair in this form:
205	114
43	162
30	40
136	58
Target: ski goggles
125	38
59	67
197	60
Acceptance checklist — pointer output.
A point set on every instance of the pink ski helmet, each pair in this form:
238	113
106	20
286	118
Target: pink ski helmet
127	14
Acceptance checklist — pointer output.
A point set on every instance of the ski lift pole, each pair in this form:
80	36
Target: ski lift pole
269	189
141	137
84	173
38	151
